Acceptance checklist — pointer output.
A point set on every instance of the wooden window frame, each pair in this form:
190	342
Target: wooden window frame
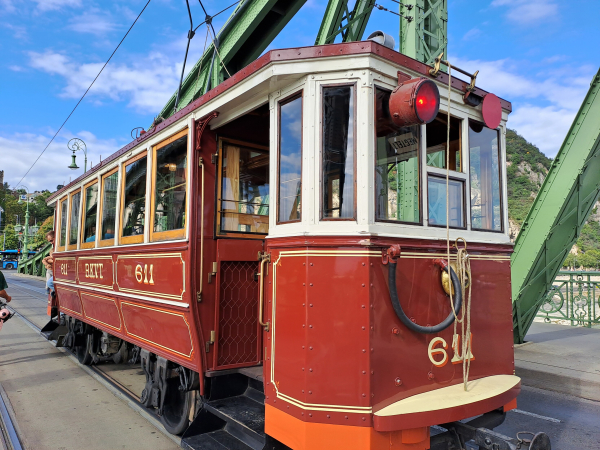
234	234
110	241
82	243
62	246
322	124
288	99
170	234
139	238
68	246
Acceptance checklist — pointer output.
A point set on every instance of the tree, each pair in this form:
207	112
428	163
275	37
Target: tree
569	260
12	241
39	240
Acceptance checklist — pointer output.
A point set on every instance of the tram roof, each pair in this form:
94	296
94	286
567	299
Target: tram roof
283	55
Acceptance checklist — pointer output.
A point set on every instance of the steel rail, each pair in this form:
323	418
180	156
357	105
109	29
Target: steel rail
113	386
9	432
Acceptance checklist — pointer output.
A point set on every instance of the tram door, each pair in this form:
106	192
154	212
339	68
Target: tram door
242	223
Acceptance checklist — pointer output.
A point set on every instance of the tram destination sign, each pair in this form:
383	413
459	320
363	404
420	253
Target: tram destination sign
95	271
404	143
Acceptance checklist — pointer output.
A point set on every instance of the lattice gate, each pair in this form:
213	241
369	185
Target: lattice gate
237	341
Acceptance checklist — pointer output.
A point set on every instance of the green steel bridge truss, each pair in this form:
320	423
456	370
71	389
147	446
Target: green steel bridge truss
34	266
558	213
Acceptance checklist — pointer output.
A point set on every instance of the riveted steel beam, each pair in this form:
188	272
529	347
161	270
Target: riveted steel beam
558	213
426	35
339	20
249	30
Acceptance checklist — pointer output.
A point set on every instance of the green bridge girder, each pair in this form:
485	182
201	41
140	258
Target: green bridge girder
338	19
249	30
34	266
255	23
558	213
426	35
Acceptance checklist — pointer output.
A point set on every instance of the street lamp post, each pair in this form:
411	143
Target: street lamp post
74	145
25	254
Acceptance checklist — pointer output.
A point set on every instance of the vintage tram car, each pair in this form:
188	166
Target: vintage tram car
244	245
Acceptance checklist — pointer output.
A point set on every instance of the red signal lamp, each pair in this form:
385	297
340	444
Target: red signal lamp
414	102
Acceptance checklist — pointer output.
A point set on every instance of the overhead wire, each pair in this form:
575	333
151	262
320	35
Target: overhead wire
85	93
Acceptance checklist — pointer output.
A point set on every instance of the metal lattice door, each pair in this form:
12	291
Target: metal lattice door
237	342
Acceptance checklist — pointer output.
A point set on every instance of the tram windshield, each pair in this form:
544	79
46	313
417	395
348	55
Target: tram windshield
397	171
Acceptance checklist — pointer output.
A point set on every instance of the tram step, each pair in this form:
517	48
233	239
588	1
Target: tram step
232	418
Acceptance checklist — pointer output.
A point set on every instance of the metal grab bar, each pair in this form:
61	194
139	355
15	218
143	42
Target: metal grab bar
263	257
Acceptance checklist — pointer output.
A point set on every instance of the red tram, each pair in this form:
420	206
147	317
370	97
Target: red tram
274	251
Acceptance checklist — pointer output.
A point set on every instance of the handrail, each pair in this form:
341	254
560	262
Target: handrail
263	257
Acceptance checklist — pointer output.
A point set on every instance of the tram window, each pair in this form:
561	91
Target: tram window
109	208
90	210
486	213
289	189
63	223
397	171
437	134
170	184
244	205
74	219
338	151
134	201
436	193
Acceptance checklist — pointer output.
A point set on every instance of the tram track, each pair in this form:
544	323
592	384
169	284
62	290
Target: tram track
113	385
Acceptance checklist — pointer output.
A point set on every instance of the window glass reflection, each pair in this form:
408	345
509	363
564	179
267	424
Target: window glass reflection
437	135
338	152
290	161
436	193
171	182
63	222
134	198
397	170
486	213
74	225
109	206
244	190
91	210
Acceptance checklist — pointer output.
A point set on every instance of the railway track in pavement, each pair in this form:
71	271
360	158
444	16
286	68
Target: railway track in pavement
101	373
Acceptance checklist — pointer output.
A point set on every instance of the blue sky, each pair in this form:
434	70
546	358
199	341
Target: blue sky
539	54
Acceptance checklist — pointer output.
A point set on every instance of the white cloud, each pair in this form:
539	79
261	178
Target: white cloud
472	33
18	151
16	68
528	12
49	5
93	21
545	127
544	104
146	83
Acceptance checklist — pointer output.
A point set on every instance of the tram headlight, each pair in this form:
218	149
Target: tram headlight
414	102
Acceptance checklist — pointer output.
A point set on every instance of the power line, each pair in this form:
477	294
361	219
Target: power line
85	93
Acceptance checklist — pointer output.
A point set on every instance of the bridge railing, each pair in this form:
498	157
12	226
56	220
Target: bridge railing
34	266
574	297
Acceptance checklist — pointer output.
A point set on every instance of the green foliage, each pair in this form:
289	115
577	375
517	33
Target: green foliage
11	241
589	239
521	190
39	240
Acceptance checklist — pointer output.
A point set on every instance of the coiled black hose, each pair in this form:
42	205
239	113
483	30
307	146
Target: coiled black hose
402	315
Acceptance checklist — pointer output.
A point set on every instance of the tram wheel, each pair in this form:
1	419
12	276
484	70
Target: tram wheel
83	352
176	409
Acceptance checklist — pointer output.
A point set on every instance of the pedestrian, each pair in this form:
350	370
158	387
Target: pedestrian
3	287
48	262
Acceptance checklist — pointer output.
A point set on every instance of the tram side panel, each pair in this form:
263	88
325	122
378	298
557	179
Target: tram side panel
141	296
